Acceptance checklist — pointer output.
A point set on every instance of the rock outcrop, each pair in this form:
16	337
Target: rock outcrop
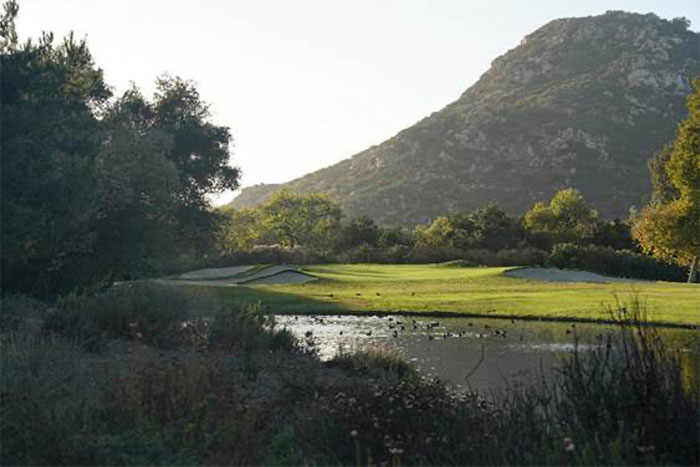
581	102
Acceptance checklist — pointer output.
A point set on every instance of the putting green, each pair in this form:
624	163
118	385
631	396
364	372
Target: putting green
347	288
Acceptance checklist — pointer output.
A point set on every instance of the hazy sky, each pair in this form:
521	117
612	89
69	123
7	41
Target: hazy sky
306	83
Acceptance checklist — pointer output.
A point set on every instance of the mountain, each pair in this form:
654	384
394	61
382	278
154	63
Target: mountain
581	102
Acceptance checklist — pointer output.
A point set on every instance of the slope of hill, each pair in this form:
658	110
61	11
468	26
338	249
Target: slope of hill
581	102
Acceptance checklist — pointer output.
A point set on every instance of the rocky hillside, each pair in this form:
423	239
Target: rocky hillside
581	102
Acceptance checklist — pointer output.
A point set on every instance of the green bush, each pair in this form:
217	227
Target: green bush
248	329
619	263
385	360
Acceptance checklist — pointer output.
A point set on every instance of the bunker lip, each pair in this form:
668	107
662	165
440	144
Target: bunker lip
242	275
285	276
215	273
564	275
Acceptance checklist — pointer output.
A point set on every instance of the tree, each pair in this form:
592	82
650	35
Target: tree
200	151
392	236
495	230
662	190
453	231
567	218
301	220
94	189
670	229
486	227
614	234
360	231
239	230
136	183
50	138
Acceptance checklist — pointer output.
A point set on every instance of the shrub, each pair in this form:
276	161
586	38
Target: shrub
143	311
18	309
623	402
248	329
620	263
49	396
386	360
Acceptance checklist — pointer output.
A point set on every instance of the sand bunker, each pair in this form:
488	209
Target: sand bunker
284	277
236	275
215	273
563	275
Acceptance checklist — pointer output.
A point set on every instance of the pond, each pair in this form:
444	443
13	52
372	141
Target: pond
477	353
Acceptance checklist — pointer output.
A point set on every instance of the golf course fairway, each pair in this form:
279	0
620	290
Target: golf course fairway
484	291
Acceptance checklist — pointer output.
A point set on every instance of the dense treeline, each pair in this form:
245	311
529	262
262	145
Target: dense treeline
97	187
566	232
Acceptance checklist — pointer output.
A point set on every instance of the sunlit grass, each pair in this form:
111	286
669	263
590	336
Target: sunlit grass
434	288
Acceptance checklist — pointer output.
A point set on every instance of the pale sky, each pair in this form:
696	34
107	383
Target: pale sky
306	83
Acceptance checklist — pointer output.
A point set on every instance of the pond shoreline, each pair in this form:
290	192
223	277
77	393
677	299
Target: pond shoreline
466	314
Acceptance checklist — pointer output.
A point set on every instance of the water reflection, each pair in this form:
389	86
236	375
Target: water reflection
452	348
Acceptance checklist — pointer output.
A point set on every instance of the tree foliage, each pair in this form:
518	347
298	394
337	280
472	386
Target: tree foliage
487	227
96	188
670	229
567	218
239	230
301	220
359	231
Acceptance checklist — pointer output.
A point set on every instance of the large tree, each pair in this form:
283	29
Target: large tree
95	188
486	227
567	218
670	228
50	138
301	220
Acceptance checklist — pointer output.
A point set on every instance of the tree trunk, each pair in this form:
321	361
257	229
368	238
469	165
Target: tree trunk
693	274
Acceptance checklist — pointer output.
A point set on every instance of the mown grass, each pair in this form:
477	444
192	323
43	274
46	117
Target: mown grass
479	291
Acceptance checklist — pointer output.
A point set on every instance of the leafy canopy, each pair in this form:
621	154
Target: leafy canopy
95	188
567	218
301	220
670	228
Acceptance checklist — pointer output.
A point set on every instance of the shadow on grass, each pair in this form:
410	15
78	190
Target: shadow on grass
274	301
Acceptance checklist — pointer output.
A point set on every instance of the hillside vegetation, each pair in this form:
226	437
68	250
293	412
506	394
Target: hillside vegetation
581	102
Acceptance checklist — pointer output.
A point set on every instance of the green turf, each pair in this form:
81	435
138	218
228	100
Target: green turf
429	288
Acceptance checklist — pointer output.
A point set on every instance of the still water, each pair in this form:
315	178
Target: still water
452	348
